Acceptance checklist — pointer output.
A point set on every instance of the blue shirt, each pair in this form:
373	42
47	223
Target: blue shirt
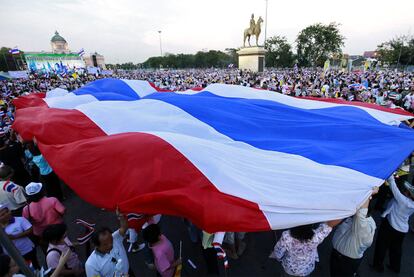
42	164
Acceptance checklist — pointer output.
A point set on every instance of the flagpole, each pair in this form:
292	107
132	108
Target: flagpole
159	32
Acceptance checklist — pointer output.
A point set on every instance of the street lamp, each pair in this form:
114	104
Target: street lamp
159	32
265	34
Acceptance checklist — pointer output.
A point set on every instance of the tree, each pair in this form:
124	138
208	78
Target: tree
201	59
127	66
318	42
11	62
397	51
278	52
232	52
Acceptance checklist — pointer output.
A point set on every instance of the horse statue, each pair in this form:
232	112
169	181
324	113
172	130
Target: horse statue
254	29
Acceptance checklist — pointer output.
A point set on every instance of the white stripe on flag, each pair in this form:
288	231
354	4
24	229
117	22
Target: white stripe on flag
233	91
141	88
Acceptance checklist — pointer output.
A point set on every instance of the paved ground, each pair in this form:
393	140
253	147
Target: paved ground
254	261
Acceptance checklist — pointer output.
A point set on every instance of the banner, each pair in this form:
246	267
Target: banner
93	70
107	72
50	62
21	74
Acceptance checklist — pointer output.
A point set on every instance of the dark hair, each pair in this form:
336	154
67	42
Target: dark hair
3	140
95	237
4	264
6	171
35	197
33	149
54	232
302	233
152	233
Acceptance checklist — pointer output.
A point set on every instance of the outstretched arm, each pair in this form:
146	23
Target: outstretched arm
123	223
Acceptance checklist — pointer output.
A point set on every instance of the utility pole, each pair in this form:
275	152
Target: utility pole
159	32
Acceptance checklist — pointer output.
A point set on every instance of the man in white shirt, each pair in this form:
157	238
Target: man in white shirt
351	238
18	229
109	257
394	226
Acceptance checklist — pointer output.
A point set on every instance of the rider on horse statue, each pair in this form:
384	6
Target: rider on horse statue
254	29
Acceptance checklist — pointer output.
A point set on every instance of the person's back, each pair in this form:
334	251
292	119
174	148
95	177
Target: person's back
164	256
46	211
12	195
400	208
162	250
300	256
297	249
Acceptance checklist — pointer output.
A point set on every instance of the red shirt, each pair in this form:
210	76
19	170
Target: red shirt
47	211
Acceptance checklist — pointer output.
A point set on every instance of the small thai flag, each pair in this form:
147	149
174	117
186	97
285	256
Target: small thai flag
14	51
221	254
81	52
134	216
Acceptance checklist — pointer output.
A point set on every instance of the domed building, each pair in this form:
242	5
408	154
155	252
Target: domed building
59	44
61	59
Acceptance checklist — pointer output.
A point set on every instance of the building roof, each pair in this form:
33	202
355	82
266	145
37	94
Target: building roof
57	38
370	54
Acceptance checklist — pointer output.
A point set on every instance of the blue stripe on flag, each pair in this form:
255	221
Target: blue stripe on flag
108	89
344	136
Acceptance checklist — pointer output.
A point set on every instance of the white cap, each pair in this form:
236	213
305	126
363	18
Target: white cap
3	206
33	188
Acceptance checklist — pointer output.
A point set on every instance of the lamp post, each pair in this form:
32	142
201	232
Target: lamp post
159	32
265	35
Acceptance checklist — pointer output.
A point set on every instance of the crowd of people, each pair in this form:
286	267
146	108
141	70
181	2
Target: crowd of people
32	202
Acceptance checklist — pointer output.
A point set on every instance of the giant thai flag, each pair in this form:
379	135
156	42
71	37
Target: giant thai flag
229	158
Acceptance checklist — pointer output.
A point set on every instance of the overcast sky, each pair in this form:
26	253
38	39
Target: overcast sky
126	30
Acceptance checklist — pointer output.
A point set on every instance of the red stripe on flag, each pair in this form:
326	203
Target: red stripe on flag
54	126
359	104
31	100
158	88
138	172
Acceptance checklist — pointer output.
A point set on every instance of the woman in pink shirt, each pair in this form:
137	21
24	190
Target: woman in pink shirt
41	210
162	250
59	244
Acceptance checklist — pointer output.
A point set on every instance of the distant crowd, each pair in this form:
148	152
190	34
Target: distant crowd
32	201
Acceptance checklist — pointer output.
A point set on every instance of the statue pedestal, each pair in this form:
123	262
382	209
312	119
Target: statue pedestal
252	58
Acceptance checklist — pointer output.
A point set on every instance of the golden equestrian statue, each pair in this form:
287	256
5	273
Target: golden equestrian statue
253	30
